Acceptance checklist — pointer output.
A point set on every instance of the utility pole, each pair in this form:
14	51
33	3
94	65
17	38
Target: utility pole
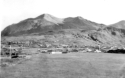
10	49
99	47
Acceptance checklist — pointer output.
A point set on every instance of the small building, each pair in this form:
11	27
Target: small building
97	51
59	51
53	52
88	49
42	51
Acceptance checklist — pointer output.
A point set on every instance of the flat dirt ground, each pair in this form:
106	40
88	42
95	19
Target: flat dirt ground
72	65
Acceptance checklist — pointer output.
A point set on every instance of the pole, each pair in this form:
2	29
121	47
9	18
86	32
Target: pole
10	51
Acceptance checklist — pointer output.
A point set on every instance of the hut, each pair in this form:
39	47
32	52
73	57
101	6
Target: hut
56	52
97	51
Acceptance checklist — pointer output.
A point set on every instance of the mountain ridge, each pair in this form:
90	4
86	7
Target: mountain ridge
120	24
51	23
70	30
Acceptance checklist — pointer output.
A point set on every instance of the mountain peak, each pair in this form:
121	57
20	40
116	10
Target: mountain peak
50	18
122	21
79	17
47	15
47	22
44	15
120	24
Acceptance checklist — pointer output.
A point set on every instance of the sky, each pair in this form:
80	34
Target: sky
100	11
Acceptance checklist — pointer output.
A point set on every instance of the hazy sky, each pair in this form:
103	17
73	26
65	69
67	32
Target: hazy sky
100	11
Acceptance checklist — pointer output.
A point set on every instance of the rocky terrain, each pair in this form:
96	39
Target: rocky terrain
45	24
71	30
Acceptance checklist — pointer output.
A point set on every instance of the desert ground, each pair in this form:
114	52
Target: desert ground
70	65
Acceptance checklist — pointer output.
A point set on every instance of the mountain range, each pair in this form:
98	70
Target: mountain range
71	29
46	23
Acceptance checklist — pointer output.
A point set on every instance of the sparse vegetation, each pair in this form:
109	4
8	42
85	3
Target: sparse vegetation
72	65
62	48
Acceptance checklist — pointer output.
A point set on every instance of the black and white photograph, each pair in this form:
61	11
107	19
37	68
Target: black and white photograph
62	39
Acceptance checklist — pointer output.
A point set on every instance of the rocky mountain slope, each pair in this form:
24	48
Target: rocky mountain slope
71	30
120	25
46	23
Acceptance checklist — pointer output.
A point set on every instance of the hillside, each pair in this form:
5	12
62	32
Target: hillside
71	31
46	23
120	24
